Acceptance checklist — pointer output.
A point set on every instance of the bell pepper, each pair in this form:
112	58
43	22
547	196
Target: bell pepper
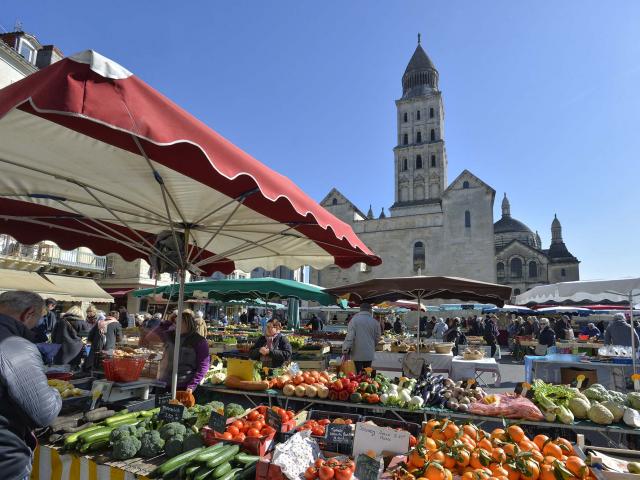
345	382
373	398
343	395
336	386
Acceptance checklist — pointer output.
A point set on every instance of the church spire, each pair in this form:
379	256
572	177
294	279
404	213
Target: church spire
420	76
506	206
382	214
538	240
370	212
556	230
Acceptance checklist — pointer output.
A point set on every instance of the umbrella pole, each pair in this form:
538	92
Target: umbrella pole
182	273
633	335
419	313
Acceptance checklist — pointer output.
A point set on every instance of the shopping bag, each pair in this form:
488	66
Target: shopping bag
347	366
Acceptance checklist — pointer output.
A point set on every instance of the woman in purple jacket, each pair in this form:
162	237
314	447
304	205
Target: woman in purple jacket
194	358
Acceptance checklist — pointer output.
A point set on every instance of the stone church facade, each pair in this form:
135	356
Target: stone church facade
433	228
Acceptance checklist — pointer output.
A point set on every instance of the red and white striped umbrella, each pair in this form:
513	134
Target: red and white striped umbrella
90	155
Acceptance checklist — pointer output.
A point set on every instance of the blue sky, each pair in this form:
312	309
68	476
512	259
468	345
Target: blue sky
541	98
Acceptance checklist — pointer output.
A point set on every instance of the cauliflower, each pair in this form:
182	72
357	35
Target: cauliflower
125	447
174	446
171	430
151	444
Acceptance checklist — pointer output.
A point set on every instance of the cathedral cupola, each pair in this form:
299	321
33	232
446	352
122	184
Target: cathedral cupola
506	206
556	230
421	75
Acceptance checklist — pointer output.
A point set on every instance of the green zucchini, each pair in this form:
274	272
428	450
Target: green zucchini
205	472
94	446
125	421
118	418
246	459
248	473
224	456
221	470
176	462
209	452
231	475
191	469
149	413
73	438
89	437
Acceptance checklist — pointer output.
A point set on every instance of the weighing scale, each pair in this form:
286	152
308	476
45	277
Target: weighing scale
112	392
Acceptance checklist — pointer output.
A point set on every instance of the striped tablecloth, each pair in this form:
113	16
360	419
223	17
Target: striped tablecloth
48	464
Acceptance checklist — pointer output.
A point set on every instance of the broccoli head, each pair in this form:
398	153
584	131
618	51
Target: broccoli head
151	444
171	430
125	448
174	446
233	410
192	440
217	406
122	431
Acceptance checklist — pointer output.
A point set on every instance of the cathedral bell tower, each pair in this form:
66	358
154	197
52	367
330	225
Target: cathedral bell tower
420	155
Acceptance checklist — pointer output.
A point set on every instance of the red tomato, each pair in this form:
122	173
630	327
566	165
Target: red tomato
350	464
343	472
240	437
267	430
348	421
233	430
253	415
262	409
227	436
319	463
317	431
290	415
311	473
258	425
239	424
324	421
252	432
326	473
333	463
412	441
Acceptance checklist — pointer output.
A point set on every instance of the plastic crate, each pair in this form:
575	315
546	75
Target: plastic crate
345	449
252	445
124	369
412	428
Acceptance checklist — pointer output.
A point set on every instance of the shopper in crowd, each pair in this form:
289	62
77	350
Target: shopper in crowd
50	317
515	327
66	333
562	328
592	331
315	323
454	335
490	333
363	334
398	327
92	316
547	337
388	326
534	325
26	400
263	322
243	318
273	348
103	337
193	358
123	317
619	332
159	333
423	323
428	331
477	327
439	329
201	324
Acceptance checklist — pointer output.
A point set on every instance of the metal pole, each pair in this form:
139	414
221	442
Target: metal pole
633	333
176	348
419	314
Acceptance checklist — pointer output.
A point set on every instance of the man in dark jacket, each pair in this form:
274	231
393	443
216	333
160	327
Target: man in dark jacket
26	400
50	318
315	323
273	348
547	337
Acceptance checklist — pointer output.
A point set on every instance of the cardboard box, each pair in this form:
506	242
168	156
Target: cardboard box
568	376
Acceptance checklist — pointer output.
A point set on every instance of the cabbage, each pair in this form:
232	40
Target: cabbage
579	407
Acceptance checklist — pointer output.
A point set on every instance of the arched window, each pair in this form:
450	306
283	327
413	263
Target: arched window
433	135
500	269
431	112
405	116
419	137
467	219
405	165
533	270
433	160
465	184
418	162
418	115
418	256
516	268
405	139
334	201
563	273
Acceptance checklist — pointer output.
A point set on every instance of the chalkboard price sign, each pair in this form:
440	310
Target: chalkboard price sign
340	434
367	468
218	422
162	399
274	420
171	413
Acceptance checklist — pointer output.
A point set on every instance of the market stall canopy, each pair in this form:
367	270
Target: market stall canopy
583	312
378	290
508	309
582	293
80	289
244	289
93	156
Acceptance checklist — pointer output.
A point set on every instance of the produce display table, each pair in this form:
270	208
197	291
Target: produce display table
613	376
49	464
462	369
392	361
612	434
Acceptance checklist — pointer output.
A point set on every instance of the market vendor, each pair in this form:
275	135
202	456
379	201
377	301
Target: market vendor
103	338
619	332
547	337
592	331
193	360
273	349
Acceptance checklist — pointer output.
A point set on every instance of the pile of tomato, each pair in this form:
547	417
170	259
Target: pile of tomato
253	425
331	469
446	449
318	427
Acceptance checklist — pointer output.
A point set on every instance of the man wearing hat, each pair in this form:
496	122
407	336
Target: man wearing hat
619	332
362	337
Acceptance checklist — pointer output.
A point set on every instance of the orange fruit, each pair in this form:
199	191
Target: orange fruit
499	433
546	473
537	456
485	444
528	446
498	471
540	440
513	473
468	476
471	430
430	444
548	460
430	426
435	471
463	458
451	430
449	461
498	455
416	460
510	449
516	433
553	450
531	470
565	445
576	466
437	456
